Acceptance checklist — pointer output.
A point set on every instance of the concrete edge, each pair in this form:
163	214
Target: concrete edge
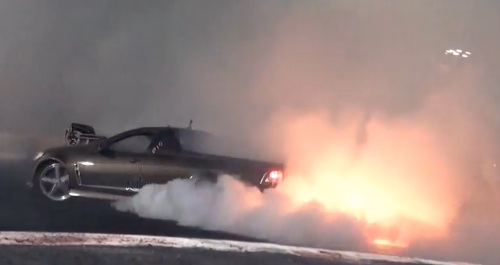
118	240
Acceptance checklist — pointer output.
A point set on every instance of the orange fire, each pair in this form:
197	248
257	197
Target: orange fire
388	243
398	182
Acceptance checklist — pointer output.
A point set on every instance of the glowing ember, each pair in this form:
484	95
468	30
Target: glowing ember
388	243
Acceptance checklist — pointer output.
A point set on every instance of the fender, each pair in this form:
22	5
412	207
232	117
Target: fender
38	165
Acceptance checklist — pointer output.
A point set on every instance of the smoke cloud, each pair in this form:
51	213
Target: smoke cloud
382	134
416	181
223	208
352	95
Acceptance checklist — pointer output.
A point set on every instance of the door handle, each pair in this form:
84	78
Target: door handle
133	160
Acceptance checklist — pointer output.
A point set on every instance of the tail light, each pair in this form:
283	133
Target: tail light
272	177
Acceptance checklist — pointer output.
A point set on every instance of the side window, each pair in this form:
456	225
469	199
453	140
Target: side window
133	144
166	143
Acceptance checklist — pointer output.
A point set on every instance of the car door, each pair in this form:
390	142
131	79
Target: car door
165	162
118	166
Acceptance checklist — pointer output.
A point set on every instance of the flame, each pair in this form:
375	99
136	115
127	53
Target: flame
398	184
388	243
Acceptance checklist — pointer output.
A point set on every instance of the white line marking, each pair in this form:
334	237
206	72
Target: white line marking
80	239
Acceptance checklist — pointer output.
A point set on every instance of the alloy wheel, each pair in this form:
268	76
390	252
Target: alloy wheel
54	182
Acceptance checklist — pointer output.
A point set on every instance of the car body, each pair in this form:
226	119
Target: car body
111	168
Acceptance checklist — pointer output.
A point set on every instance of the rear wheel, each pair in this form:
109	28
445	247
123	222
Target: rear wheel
52	180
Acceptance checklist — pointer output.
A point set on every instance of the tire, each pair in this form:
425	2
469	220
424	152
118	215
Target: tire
52	181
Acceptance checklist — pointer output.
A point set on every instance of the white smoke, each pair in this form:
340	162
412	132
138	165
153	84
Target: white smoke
425	175
231	206
379	59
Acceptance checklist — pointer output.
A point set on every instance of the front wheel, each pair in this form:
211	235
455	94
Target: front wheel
53	181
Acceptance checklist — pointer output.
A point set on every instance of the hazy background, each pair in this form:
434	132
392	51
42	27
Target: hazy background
235	66
120	64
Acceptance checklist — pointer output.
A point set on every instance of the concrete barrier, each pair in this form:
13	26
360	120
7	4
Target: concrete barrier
88	239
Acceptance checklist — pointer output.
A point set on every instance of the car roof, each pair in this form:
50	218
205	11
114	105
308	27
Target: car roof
157	129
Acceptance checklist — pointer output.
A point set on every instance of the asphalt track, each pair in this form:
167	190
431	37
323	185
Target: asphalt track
30	255
20	210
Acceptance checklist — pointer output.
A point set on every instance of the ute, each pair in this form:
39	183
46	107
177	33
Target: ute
111	168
